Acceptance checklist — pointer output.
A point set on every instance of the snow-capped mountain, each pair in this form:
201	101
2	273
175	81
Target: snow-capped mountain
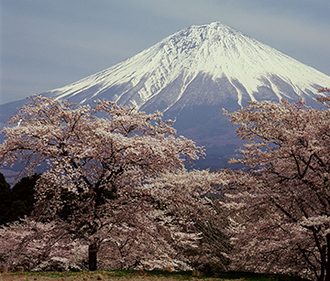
200	65
191	74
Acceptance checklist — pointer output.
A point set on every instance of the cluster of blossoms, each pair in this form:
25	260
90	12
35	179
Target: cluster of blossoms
105	182
115	186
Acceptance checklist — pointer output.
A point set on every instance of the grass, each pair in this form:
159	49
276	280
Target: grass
140	275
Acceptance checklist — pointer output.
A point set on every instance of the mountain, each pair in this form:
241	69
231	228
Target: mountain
191	74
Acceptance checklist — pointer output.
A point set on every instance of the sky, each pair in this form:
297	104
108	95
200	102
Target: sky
47	44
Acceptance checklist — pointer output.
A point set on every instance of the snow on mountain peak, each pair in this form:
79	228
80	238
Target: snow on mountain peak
190	75
219	53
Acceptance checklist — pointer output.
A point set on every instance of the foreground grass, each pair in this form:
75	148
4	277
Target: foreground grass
139	275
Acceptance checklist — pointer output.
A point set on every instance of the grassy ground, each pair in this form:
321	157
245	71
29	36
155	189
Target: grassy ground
137	275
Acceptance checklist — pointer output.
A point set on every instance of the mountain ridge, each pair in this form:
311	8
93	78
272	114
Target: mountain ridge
248	67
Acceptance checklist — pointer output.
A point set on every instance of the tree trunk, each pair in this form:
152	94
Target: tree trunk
323	264
92	256
327	267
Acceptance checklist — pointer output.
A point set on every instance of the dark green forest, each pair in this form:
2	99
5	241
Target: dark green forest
18	201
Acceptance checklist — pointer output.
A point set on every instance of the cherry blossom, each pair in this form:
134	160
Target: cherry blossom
281	218
93	159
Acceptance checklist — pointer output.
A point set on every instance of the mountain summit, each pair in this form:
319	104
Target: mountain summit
190	75
201	65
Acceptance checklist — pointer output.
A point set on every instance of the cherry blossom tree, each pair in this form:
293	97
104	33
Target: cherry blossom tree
40	246
324	99
93	160
324	90
174	224
189	204
280	207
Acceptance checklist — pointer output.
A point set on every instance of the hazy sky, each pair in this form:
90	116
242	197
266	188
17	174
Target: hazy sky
46	44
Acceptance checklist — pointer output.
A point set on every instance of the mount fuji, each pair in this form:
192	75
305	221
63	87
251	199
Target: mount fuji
190	75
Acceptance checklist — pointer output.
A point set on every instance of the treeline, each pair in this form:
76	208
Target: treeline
18	201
